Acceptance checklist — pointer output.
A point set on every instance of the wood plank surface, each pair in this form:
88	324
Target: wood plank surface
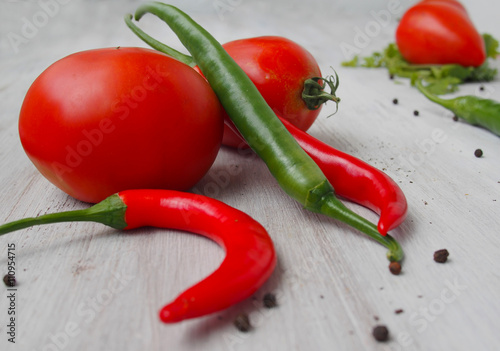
83	286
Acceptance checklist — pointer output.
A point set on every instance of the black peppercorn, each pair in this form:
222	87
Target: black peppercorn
441	256
381	333
9	280
242	322
269	300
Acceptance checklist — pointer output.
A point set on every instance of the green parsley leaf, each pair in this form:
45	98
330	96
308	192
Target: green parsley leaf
351	63
441	79
491	45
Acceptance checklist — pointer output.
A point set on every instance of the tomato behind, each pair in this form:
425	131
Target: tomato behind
439	32
278	67
106	120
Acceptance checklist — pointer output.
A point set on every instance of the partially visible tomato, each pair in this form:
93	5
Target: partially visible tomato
450	2
439	32
278	67
106	120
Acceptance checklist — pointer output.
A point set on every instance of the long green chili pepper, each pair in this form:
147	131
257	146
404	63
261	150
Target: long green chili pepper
298	175
473	109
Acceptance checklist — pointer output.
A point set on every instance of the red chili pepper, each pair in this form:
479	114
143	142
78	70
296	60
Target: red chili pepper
250	255
355	179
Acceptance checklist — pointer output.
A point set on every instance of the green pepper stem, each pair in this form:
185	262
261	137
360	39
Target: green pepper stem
157	45
334	208
110	212
443	102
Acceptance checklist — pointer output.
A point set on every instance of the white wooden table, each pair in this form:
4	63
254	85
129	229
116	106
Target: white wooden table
86	287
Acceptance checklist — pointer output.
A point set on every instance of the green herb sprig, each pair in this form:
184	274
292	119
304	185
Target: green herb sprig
440	79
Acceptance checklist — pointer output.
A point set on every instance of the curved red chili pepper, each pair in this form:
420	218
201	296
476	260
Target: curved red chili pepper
250	255
354	179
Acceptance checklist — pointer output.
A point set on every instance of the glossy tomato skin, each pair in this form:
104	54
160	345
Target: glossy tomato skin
101	121
439	32
278	67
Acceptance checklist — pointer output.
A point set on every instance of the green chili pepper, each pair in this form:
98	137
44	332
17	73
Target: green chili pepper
474	110
295	171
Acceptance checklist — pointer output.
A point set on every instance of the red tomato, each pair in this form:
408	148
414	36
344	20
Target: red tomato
439	32
450	2
278	67
106	120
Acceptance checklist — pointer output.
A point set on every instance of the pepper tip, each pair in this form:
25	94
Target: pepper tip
382	229
173	312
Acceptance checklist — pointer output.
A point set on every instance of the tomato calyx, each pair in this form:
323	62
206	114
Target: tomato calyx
314	94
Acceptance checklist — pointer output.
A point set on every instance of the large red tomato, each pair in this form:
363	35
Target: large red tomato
278	67
106	120
439	32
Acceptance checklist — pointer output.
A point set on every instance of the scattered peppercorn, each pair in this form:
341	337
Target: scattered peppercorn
381	333
391	76
441	256
481	88
455	118
395	267
416	113
270	300
478	153
242	323
398	311
9	280
395	101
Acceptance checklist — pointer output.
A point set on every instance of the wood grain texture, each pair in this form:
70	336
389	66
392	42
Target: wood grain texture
83	286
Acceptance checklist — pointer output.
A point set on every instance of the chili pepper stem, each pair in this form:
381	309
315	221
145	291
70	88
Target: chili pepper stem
443	102
110	212
330	206
157	45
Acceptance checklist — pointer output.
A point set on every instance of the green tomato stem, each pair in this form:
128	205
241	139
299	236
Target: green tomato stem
314	94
